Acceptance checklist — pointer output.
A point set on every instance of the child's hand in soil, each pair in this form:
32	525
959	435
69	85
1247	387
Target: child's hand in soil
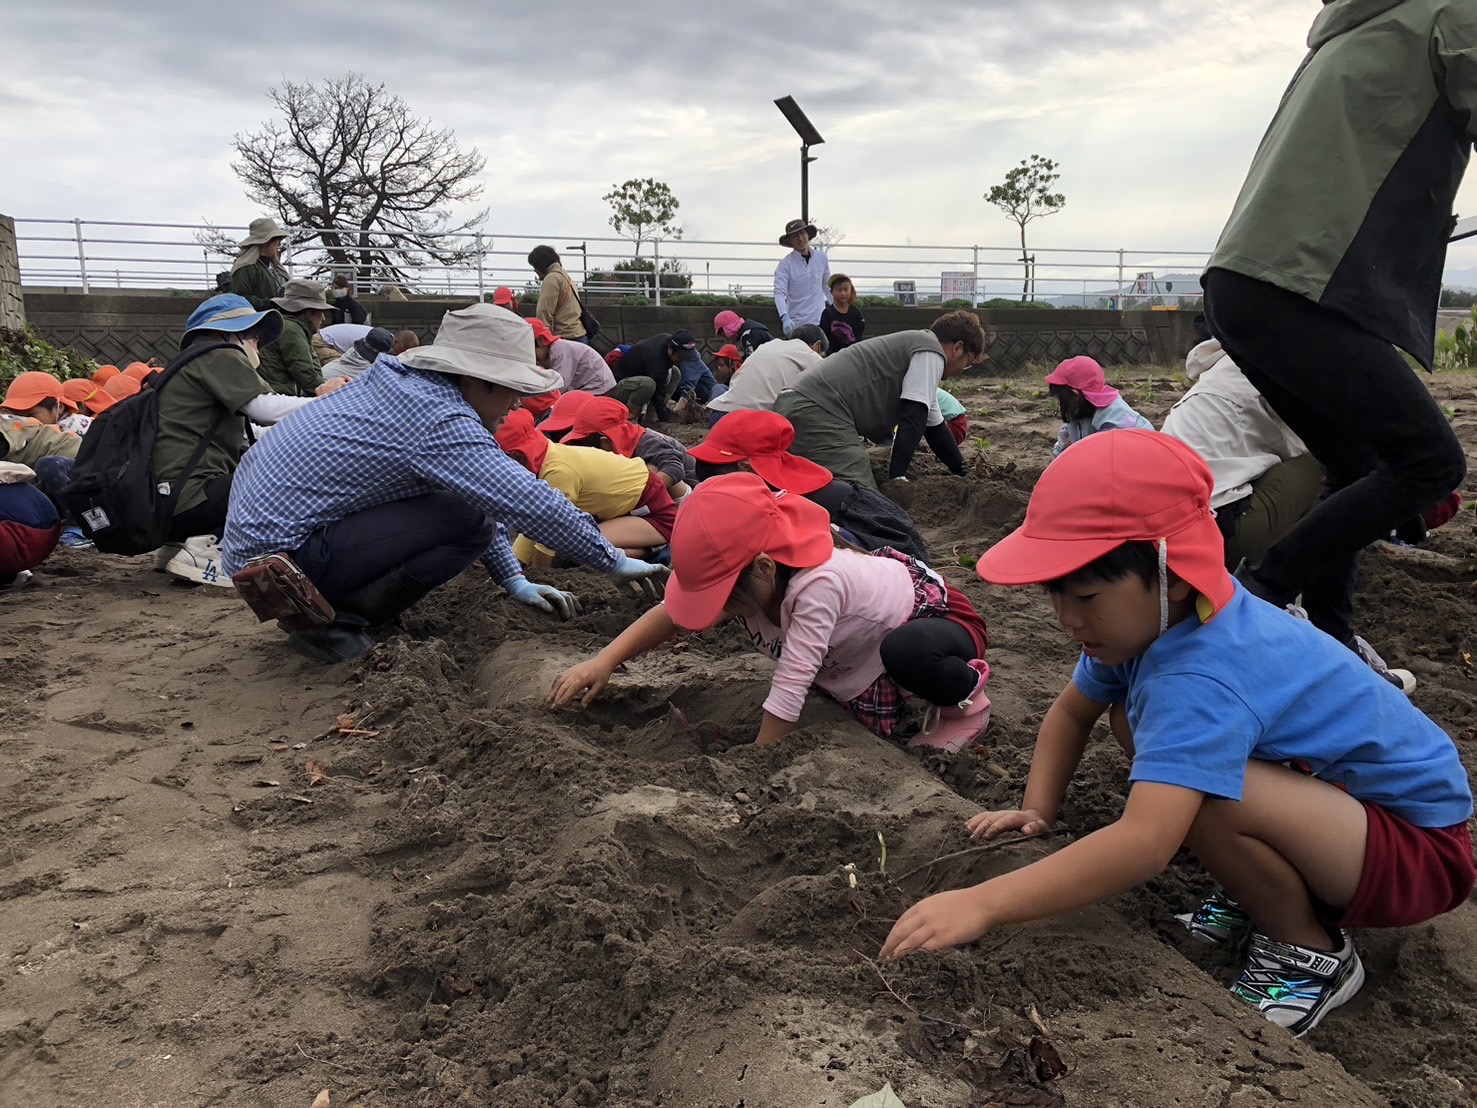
987	825
589	678
943	920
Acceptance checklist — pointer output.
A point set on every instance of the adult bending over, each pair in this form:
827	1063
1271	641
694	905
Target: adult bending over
409	487
868	389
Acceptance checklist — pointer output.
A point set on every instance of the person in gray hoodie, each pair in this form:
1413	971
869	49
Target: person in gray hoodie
361	355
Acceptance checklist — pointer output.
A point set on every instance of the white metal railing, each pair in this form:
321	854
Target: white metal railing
107	254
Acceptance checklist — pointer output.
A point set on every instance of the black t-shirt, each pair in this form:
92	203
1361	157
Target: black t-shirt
843	330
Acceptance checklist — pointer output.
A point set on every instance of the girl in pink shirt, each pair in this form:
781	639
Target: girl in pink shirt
866	629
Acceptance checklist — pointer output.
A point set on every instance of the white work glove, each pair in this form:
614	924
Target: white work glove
645	578
1063	440
787	326
546	598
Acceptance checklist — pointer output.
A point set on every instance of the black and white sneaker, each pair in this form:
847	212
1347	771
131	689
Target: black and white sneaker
1295	986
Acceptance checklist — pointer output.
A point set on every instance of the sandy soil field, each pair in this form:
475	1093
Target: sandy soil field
231	877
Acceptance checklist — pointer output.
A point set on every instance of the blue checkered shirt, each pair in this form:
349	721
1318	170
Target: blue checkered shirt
394	433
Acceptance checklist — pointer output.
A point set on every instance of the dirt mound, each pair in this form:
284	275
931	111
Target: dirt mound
231	877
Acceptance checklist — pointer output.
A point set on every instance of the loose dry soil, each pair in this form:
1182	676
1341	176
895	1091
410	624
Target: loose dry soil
230	877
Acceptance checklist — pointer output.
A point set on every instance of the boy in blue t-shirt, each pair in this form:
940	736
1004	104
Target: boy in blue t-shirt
1309	787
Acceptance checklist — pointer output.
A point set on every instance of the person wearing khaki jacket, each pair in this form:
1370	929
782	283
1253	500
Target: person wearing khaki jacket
289	365
1332	258
558	300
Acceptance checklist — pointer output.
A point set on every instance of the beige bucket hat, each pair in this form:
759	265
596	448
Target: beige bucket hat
261	232
300	295
489	343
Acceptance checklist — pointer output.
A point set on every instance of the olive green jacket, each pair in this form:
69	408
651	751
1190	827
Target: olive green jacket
289	365
1349	198
258	283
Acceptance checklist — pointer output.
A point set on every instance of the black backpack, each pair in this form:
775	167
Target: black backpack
113	495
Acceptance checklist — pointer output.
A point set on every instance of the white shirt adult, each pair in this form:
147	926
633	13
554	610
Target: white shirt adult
773	367
801	282
1229	424
343	336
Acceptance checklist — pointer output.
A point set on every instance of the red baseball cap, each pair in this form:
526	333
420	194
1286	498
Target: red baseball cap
561	415
1109	489
1086	376
731	352
541	332
88	395
604	415
504	297
538	405
722	526
763	439
29	389
518	435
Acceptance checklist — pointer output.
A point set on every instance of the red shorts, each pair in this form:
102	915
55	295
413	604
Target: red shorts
23	547
662	509
1411	874
958	427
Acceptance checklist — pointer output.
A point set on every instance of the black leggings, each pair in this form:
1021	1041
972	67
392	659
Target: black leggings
1388	451
206	518
930	658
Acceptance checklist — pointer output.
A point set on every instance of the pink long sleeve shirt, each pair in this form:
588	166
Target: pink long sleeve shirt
832	623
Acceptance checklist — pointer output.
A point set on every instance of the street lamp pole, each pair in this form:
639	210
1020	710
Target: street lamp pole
584	249
809	137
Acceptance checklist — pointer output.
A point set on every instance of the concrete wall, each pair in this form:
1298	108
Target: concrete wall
121	329
12	304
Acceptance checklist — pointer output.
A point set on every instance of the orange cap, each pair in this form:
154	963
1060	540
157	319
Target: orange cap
122	387
138	371
89	396
30	389
104	374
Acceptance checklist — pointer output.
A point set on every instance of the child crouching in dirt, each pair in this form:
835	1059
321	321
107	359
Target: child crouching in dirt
1310	788
866	629
1088	404
607	486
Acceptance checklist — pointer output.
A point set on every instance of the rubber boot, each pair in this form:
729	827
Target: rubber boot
370	605
957	727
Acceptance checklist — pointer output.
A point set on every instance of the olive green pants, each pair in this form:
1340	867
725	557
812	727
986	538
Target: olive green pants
1278	499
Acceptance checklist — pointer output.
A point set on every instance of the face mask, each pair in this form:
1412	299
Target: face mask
339	294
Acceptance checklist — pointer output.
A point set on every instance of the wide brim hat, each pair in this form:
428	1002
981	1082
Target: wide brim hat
1110	489
301	295
488	343
1086	376
722	526
763	440
262	231
232	314
797	225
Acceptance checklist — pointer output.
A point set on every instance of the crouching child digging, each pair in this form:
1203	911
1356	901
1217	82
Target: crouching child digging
1311	789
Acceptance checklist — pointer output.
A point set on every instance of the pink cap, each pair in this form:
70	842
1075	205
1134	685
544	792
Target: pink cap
727	323
1087	377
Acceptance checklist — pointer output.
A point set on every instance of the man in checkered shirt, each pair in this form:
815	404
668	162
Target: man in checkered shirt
394	485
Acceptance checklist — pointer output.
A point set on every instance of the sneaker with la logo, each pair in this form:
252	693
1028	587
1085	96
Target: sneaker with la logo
1296	986
199	560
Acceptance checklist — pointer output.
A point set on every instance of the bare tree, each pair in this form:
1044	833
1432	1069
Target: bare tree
1024	195
369	181
828	236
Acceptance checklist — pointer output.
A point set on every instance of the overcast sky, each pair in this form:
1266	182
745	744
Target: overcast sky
1152	107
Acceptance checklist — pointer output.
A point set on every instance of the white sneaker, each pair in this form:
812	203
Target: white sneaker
1294	986
1402	679
199	560
165	554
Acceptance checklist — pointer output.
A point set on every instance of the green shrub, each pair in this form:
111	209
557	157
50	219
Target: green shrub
1458	349
635	301
23	350
700	300
754	298
879	302
1004	304
956	304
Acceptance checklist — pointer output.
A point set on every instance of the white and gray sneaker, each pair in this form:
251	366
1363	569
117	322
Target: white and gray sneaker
1402	679
199	560
1296	986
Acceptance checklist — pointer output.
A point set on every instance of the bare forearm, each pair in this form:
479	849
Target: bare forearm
648	632
1058	752
773	729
